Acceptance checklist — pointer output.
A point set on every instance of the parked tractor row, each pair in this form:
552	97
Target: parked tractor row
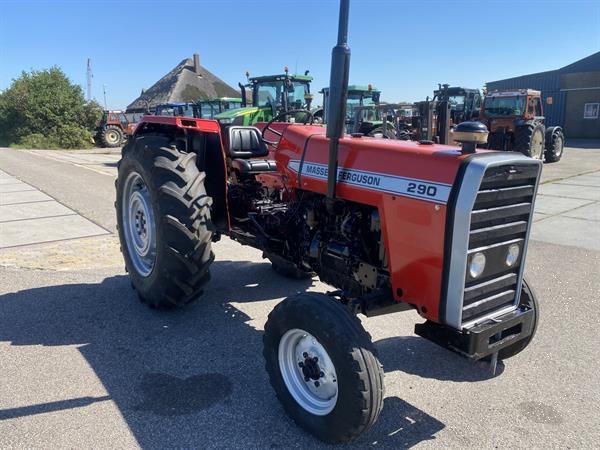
514	119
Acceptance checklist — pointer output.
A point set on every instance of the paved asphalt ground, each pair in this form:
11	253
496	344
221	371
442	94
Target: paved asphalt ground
84	364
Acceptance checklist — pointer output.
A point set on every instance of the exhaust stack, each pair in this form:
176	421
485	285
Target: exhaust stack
338	94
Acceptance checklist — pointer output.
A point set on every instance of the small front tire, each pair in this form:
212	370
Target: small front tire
338	395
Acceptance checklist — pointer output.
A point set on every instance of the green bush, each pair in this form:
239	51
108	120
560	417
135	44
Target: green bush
43	109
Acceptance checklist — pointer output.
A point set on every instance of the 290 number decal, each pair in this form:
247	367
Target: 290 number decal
422	189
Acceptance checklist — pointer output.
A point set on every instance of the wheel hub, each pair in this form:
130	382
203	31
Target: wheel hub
308	372
138	224
310	367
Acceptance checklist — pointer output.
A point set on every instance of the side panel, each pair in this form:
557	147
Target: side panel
408	183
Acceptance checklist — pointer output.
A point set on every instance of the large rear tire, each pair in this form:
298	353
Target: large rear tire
323	367
111	136
163	217
528	299
529	140
555	143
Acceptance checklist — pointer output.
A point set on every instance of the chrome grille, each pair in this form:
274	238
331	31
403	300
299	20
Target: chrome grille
500	217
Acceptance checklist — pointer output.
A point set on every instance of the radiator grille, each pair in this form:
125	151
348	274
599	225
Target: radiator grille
499	218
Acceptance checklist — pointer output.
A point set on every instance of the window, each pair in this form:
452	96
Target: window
590	110
268	93
296	94
534	107
496	106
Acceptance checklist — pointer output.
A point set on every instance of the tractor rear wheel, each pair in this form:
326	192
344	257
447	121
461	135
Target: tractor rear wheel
528	299
111	136
529	140
323	367
554	146
163	217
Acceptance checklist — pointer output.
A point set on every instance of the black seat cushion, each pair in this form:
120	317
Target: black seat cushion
245	142
254	165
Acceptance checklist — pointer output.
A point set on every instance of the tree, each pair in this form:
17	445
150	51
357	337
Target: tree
43	109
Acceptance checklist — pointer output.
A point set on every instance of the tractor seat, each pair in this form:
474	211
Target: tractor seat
244	143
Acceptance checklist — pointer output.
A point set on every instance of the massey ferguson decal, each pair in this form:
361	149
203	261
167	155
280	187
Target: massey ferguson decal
407	187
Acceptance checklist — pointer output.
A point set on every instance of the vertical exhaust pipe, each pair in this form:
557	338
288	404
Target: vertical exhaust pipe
338	94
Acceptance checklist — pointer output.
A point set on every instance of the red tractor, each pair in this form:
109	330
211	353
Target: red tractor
392	225
115	127
515	120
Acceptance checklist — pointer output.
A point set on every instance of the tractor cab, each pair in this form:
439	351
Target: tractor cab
510	105
182	109
462	102
359	96
515	120
271	96
211	107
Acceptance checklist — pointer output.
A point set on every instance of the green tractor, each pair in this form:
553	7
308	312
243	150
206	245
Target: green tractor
211	107
364	112
271	96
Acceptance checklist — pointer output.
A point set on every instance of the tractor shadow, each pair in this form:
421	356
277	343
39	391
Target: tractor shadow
186	378
417	356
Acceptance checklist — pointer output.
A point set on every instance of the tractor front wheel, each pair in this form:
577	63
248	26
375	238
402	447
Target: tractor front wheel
163	217
323	367
529	140
111	136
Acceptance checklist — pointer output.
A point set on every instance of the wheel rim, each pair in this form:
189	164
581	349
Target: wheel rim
112	137
536	145
558	146
312	382
139	225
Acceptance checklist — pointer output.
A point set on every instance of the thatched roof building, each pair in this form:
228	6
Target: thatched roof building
188	82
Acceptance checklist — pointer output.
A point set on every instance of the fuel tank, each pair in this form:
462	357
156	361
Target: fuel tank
408	182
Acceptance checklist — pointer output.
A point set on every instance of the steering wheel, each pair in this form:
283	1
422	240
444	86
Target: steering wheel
308	120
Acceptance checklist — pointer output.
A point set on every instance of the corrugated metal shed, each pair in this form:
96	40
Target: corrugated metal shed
588	64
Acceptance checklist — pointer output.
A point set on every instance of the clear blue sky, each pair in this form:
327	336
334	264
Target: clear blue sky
403	47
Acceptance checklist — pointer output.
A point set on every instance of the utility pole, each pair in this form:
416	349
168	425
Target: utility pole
89	80
104	92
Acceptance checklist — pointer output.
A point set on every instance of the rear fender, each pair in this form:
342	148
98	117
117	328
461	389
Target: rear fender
202	137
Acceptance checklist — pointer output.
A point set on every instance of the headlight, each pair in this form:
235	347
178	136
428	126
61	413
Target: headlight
477	265
512	255
226	121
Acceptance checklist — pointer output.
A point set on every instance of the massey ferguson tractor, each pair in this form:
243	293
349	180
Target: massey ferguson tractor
391	225
515	120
